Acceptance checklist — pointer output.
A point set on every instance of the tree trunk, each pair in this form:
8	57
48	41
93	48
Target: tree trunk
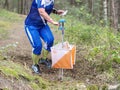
90	6
93	7
6	4
21	10
119	14
101	8
72	2
114	14
105	11
18	6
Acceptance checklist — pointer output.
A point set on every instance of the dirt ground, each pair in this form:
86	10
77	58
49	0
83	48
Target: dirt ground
81	72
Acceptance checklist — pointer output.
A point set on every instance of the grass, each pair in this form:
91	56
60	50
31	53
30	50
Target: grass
19	72
9	16
7	19
3	29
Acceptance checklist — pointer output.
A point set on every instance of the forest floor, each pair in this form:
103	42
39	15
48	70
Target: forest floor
81	73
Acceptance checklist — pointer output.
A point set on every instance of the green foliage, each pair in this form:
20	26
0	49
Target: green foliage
82	33
82	12
102	45
115	56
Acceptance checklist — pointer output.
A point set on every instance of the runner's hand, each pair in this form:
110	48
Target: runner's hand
59	12
55	23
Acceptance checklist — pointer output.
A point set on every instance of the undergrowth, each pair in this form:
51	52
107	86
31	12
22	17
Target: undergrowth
100	43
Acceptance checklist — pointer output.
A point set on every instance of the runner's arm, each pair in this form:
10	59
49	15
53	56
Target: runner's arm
46	16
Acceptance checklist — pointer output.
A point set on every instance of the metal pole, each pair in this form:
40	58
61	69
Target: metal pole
61	74
61	22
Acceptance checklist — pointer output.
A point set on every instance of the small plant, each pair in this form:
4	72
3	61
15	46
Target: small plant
93	87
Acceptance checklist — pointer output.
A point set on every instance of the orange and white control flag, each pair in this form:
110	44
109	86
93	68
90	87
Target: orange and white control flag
63	56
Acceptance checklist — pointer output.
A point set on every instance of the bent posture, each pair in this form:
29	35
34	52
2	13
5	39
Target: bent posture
36	28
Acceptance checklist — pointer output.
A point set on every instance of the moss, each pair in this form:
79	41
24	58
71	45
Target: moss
9	72
104	87
34	86
5	89
93	87
41	82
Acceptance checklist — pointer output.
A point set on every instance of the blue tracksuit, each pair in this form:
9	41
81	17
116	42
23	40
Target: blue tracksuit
36	26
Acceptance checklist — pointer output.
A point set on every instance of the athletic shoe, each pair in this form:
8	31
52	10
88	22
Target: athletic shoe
46	62
36	69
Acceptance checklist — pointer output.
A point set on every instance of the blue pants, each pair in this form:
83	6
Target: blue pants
36	34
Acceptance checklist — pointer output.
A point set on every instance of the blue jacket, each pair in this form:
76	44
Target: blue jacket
34	18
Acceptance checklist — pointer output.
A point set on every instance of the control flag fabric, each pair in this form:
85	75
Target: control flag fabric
63	56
